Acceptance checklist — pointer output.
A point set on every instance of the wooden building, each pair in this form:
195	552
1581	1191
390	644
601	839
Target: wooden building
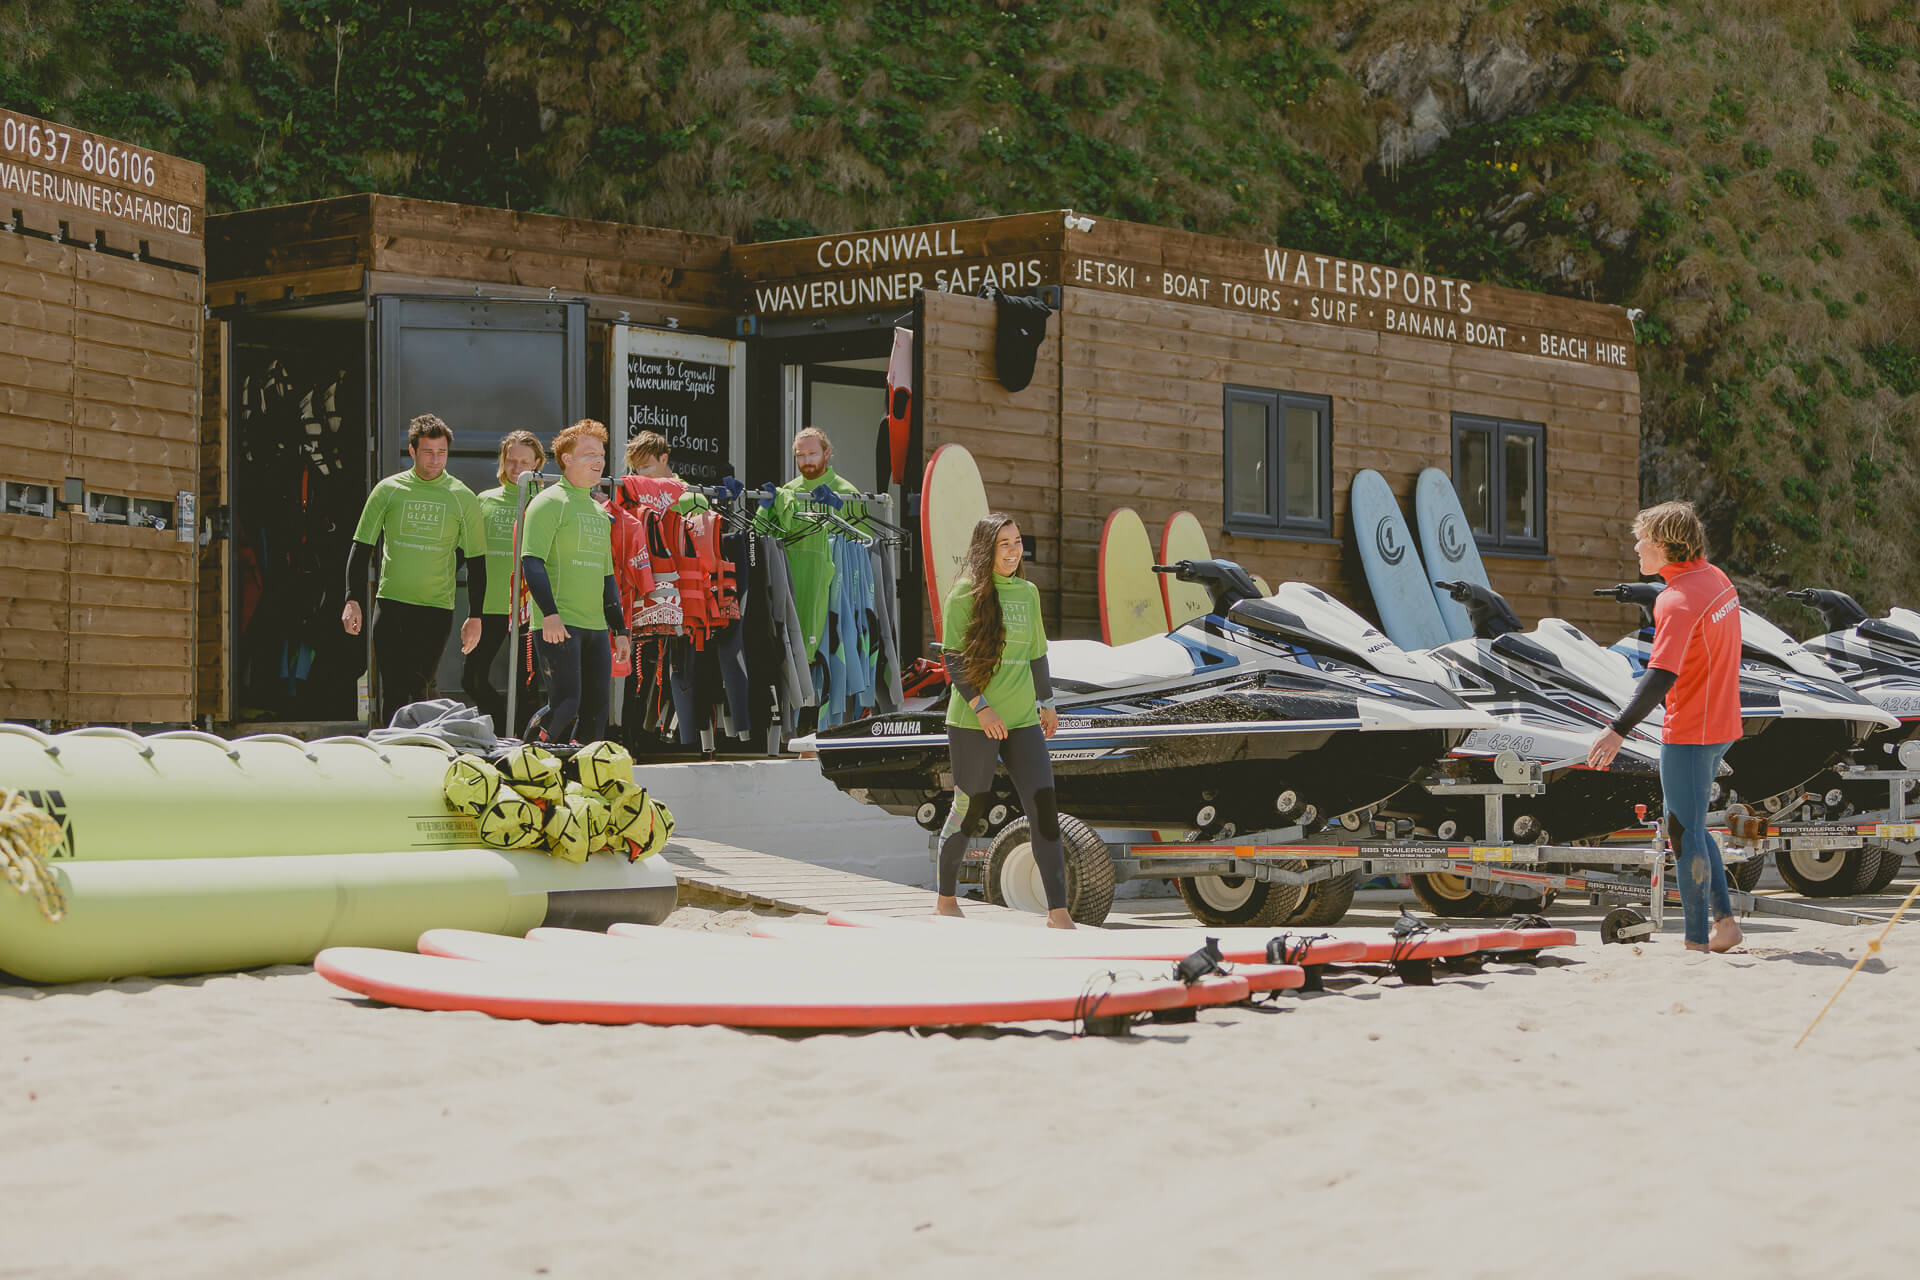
101	254
1244	383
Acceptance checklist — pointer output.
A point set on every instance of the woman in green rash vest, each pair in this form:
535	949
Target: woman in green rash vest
1001	710
566	556
519	451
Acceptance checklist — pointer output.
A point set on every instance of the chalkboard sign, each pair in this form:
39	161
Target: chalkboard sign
687	402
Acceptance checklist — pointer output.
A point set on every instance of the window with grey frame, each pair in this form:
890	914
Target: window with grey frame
1278	463
1500	473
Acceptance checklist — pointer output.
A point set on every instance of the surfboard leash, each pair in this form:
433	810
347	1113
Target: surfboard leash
28	838
1873	949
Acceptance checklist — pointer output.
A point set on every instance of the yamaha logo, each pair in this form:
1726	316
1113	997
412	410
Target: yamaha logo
882	728
1387	538
1451	545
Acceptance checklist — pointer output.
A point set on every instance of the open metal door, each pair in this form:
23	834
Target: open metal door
485	367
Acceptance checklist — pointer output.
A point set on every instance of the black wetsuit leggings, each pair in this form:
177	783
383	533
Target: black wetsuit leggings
476	676
579	671
408	640
974	757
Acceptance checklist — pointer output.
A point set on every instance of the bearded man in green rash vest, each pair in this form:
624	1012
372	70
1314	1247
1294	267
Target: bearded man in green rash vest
429	524
810	557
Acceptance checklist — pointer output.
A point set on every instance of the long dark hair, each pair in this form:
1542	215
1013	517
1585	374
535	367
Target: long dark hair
986	631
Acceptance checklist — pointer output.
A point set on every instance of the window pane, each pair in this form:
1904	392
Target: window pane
1522	502
1303	463
1471	480
1251	465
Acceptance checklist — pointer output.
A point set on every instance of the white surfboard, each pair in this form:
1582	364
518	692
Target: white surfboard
694	992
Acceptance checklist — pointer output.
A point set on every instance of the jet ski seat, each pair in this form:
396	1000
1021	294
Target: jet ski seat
1088	664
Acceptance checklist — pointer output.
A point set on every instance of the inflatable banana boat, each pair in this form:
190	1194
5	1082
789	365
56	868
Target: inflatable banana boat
187	853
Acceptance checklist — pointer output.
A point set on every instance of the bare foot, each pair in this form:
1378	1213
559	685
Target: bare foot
1726	934
1696	946
944	906
1059	920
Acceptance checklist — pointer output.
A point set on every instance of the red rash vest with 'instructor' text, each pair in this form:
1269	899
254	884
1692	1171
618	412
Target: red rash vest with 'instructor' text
1696	635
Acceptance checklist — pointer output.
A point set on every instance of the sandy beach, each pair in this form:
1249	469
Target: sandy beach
1618	1112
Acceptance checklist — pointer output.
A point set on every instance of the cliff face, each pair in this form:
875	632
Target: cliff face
1742	173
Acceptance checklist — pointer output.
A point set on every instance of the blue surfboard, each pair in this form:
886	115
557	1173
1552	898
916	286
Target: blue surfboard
1446	546
1402	593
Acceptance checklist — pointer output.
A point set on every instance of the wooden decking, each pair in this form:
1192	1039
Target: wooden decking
706	869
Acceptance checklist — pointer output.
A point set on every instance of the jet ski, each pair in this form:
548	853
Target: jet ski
1879	658
1262	714
1798	717
1553	690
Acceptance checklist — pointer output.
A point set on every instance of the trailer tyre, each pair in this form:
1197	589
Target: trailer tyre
1013	877
1225	901
1884	870
1745	876
1448	895
1822	873
1326	901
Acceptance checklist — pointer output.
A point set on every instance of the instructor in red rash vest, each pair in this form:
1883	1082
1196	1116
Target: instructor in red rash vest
1695	666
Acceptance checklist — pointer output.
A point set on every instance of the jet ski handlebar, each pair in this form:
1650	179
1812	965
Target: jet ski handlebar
1839	609
1487	609
1640	593
1226	581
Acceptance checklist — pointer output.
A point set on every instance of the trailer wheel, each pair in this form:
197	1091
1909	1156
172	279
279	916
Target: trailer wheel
1884	870
1013	877
1821	873
1625	924
1448	895
1326	901
1224	901
1745	876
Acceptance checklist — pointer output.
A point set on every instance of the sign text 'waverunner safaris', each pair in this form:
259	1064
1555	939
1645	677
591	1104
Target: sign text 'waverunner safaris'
1027	252
71	169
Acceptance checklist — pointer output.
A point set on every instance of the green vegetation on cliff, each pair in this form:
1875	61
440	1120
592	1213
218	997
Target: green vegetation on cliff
1746	174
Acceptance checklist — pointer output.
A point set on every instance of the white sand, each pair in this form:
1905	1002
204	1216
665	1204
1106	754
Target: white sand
1620	1115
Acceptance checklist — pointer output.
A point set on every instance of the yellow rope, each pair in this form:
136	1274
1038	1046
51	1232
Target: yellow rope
27	838
1873	949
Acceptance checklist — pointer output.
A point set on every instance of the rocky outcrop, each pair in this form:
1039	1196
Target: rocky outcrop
1438	88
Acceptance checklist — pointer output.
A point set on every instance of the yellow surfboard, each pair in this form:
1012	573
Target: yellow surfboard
1130	604
952	500
1183	539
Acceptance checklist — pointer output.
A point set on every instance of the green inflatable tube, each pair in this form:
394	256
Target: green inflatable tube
189	854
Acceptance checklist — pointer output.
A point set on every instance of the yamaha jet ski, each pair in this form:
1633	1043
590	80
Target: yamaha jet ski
1798	717
1879	658
1553	690
1263	713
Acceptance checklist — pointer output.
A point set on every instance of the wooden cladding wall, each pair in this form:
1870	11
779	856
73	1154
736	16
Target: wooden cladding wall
1015	437
100	381
1142	421
386	244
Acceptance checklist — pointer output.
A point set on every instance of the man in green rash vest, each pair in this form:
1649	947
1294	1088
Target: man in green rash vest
810	557
519	451
429	525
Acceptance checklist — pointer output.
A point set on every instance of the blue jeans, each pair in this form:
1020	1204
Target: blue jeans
1686	784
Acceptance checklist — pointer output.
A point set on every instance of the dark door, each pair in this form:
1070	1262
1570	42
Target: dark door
485	367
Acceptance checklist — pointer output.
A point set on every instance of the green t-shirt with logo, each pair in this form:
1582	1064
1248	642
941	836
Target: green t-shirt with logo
423	523
573	536
1010	692
810	558
496	514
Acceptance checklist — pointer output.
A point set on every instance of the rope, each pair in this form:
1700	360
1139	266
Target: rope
28	838
1873	949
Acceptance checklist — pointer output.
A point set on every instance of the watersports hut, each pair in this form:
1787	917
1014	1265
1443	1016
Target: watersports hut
101	257
337	321
1242	382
